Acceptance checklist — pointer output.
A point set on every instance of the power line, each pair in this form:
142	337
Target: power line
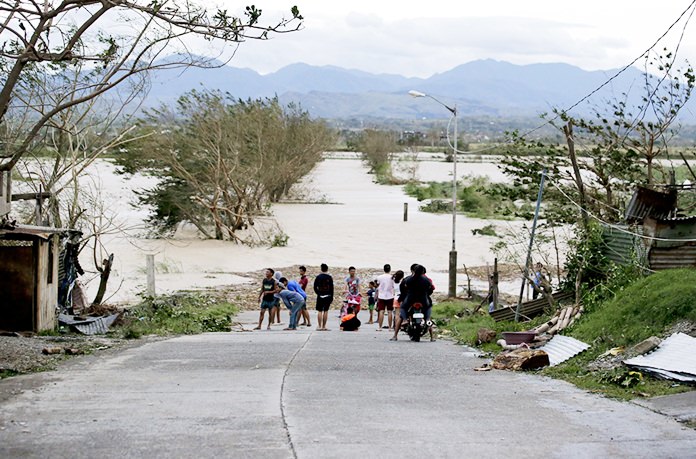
599	88
659	39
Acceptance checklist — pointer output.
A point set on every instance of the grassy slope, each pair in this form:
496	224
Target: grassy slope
647	307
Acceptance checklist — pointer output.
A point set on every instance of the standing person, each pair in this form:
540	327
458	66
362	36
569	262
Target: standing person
277	275
397	278
324	288
371	299
353	290
538	282
293	301
385	298
304	280
267	298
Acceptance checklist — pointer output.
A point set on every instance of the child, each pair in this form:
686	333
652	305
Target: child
371	299
350	321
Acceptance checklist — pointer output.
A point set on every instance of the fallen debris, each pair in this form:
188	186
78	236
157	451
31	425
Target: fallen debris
675	358
51	350
564	318
89	325
644	346
485	335
521	359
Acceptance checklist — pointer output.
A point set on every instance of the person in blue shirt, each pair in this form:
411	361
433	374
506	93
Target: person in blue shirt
294	298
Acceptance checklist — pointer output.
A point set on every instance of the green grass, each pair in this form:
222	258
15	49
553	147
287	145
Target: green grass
181	313
7	373
648	306
645	308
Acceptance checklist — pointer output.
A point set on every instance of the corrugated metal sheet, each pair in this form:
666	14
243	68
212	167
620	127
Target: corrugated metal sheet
675	358
622	246
662	258
530	308
619	245
89	325
560	348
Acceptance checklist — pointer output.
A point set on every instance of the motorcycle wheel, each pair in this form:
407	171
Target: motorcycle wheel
416	337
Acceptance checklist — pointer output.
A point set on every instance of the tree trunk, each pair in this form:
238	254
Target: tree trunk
105	271
568	131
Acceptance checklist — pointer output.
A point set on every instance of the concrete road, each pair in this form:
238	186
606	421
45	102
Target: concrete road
309	394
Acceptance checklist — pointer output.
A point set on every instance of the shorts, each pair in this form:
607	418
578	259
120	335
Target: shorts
371	306
269	304
385	304
324	303
304	305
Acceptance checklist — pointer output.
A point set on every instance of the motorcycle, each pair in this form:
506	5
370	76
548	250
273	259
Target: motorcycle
416	326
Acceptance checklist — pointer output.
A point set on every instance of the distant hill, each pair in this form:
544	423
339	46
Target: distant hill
479	88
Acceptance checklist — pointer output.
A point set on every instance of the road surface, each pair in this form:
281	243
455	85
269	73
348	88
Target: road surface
310	394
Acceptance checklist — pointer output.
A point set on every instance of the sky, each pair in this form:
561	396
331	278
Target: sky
422	38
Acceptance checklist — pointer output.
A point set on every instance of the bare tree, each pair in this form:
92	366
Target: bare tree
39	36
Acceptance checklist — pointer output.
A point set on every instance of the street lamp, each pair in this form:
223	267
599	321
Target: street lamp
452	292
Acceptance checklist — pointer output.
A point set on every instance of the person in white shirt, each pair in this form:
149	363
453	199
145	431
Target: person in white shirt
385	298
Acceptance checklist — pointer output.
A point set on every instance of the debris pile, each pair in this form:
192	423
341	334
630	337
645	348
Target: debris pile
674	358
564	318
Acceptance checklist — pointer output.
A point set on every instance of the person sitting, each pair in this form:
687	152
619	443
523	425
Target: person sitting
350	321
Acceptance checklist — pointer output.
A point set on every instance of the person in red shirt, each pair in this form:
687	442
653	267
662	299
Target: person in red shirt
303	281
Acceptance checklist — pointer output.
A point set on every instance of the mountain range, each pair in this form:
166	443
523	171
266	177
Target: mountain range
487	88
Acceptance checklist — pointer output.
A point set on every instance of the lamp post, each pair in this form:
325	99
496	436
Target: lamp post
452	291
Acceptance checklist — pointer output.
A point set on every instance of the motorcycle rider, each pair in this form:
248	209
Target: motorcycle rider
416	288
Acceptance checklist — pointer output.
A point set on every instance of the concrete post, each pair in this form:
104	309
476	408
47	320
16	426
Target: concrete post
150	268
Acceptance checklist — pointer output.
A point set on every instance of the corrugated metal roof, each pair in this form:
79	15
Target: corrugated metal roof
560	348
646	202
43	232
675	358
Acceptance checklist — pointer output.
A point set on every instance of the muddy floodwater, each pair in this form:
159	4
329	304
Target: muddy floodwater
342	218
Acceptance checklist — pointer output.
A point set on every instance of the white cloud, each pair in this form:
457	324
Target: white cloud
419	38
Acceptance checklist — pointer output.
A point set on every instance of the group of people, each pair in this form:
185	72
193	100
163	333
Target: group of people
391	295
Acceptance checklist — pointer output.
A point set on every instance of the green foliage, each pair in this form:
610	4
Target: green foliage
376	148
7	374
586	254
488	230
181	313
476	197
622	377
222	161
280	240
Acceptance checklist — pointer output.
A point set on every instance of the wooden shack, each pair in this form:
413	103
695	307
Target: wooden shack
28	277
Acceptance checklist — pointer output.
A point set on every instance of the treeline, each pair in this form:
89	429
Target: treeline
221	161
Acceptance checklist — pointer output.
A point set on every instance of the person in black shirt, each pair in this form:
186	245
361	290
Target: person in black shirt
324	288
416	288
